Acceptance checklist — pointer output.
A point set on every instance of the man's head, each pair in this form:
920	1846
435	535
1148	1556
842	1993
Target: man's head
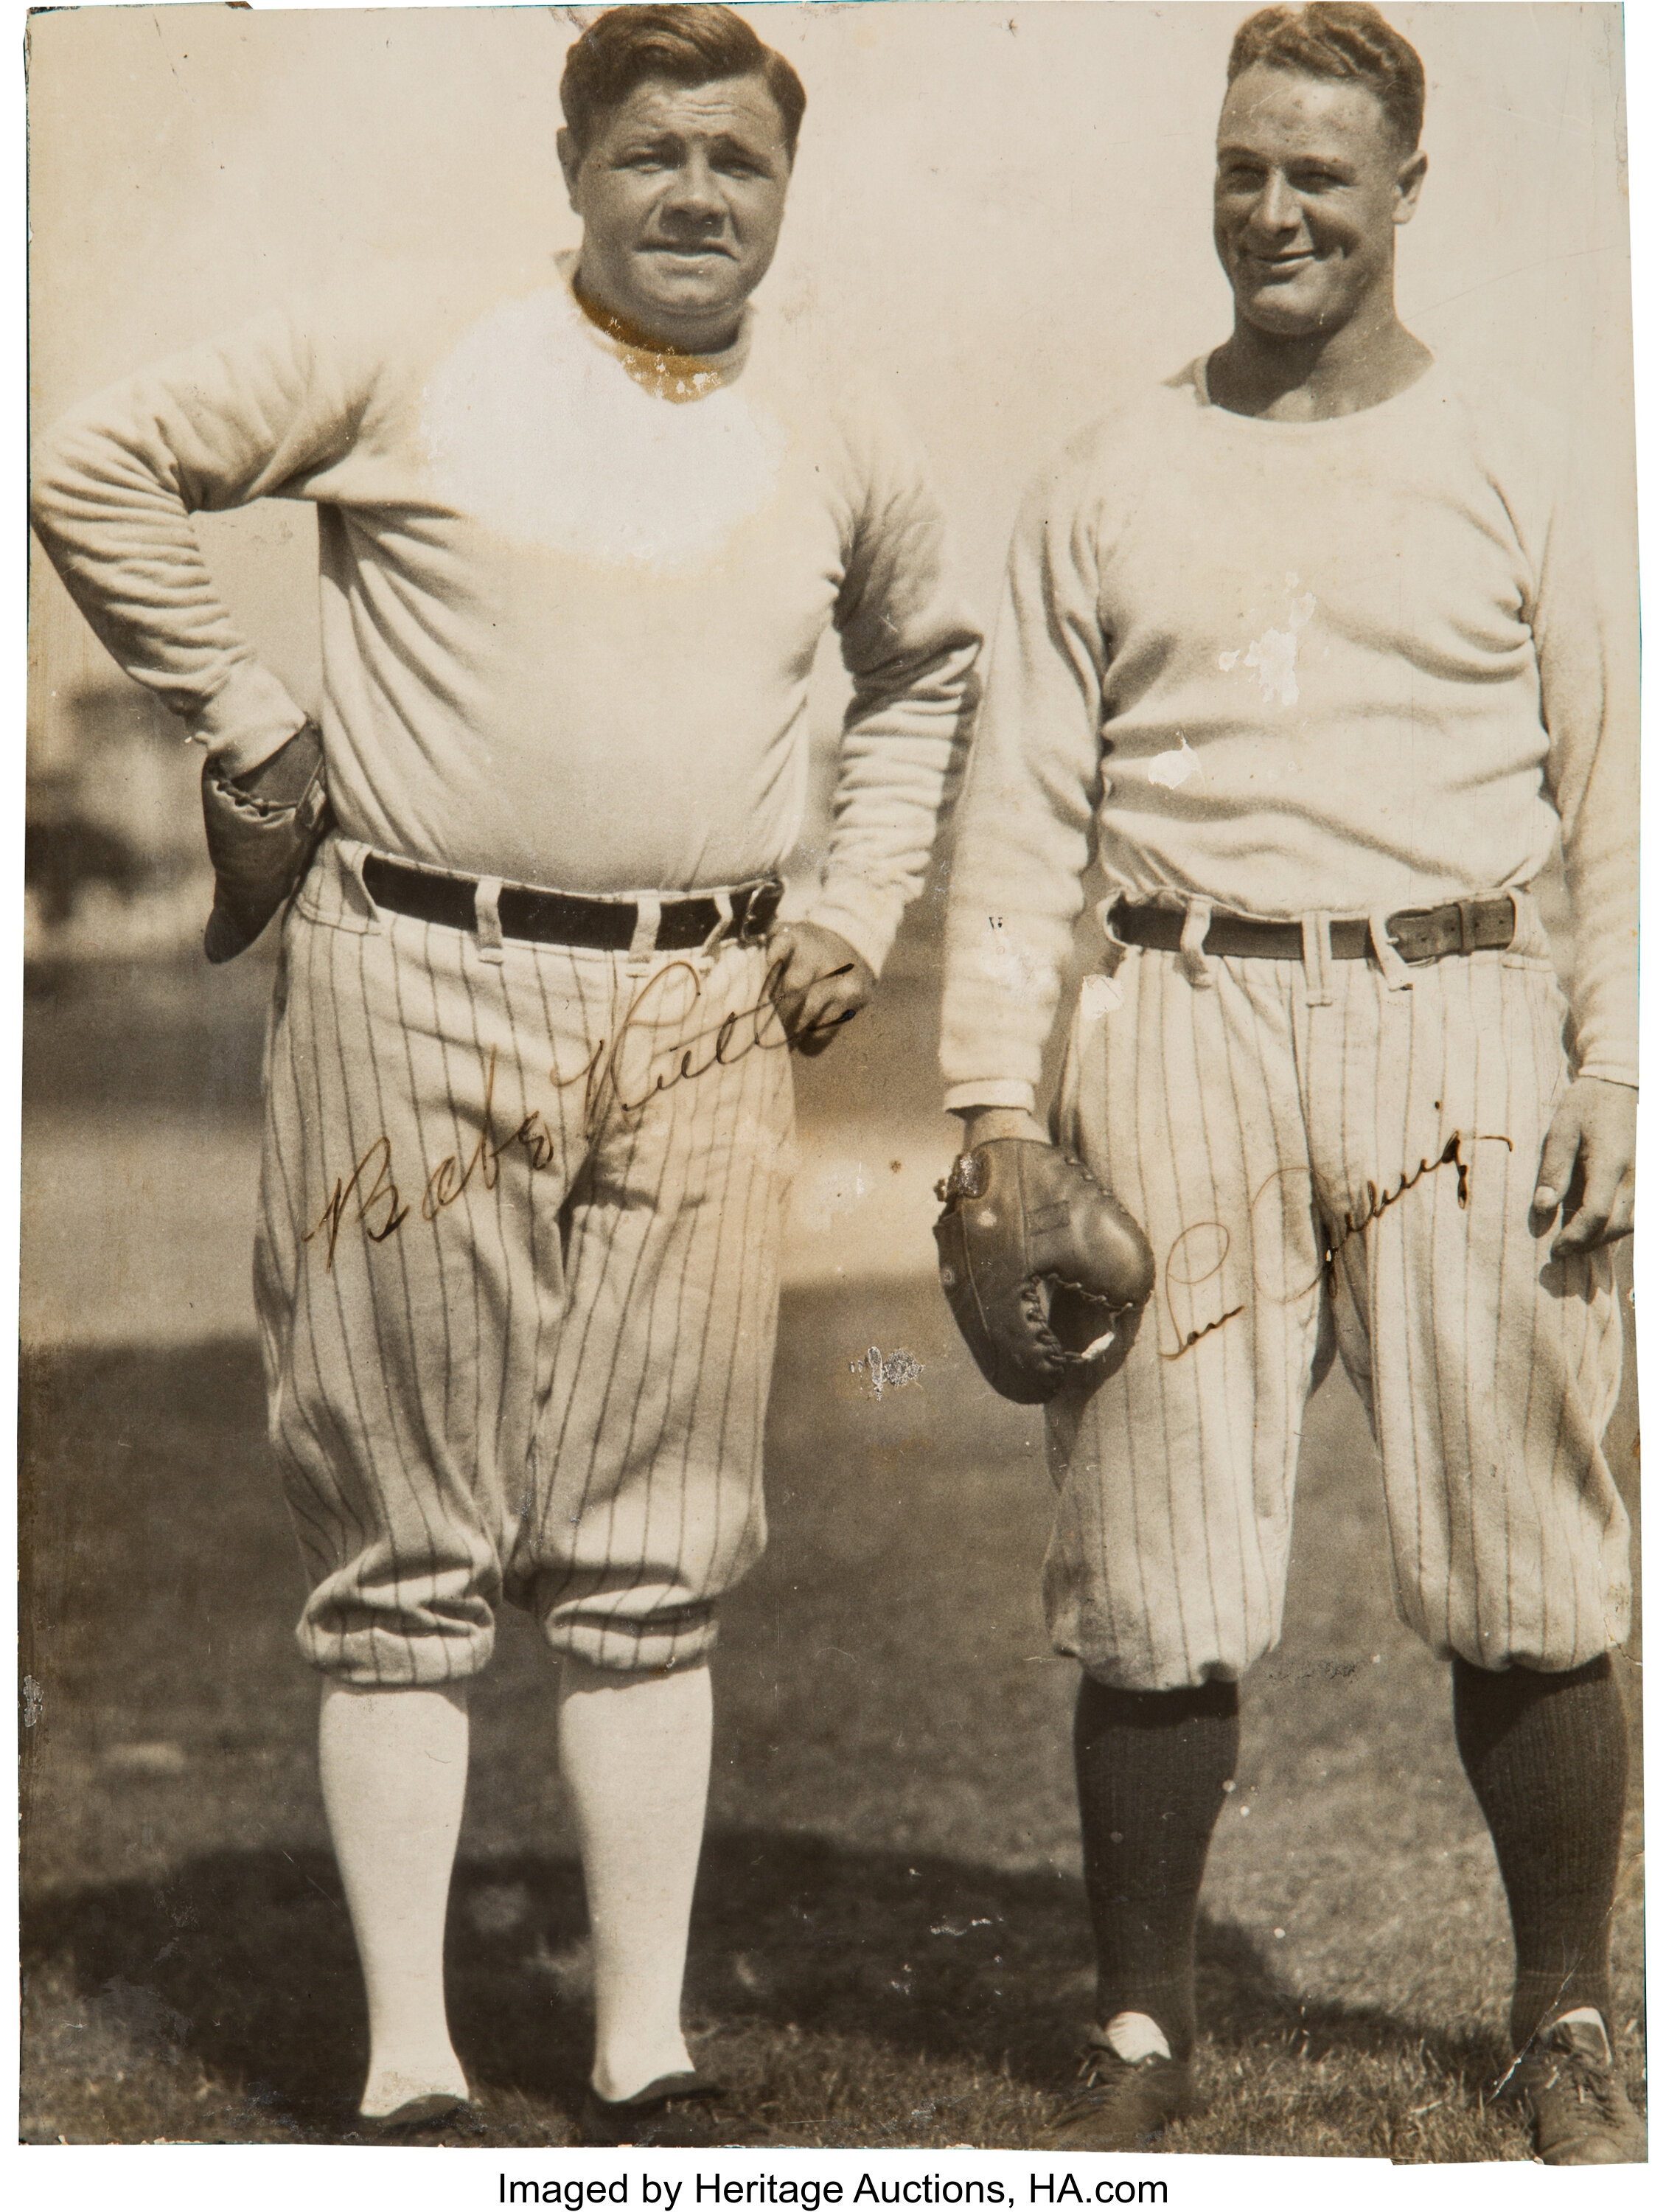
1318	161
680	131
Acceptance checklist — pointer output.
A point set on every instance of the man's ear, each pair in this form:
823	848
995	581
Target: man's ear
1408	184
572	160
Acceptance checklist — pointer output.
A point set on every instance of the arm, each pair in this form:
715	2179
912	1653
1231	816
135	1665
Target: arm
911	649
1024	826
116	482
1588	687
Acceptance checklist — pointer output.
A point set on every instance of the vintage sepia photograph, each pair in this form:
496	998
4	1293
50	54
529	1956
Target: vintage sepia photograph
830	1081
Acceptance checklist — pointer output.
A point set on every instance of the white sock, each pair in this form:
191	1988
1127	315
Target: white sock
636	1758
1135	2035
393	1764
1587	2015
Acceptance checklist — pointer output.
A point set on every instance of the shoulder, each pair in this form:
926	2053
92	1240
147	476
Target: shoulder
847	412
412	312
1523	448
1110	457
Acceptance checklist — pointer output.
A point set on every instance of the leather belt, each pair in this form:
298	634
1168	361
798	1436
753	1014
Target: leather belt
1482	924
541	917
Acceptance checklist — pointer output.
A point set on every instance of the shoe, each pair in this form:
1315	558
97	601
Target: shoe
1569	2081
1122	2105
677	2112
439	2118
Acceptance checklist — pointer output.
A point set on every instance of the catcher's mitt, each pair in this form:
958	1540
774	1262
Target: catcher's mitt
1038	1262
263	830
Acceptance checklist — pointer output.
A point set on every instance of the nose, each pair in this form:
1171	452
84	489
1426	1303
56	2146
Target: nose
1275	208
695	200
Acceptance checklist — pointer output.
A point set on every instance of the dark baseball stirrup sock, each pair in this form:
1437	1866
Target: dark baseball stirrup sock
1151	1771
1545	1755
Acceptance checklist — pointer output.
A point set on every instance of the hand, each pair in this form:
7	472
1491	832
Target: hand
1587	1166
984	1123
818	980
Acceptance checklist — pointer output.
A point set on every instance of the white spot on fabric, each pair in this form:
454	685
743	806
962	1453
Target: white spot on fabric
1007	963
1273	654
541	436
1100	996
1172	768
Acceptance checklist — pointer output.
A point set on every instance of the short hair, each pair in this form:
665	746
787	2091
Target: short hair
1340	40
624	46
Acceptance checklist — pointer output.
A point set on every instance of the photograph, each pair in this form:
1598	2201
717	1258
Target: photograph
830	1057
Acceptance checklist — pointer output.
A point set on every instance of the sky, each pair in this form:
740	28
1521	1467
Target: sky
1004	209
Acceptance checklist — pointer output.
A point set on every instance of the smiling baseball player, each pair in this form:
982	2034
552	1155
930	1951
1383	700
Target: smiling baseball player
529	1111
1309	641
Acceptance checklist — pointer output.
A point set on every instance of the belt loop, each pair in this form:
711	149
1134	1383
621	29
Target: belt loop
644	938
348	857
1192	957
489	928
1521	907
1316	957
1395	973
1466	926
734	919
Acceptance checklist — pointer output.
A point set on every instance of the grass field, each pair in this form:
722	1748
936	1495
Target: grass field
890	1943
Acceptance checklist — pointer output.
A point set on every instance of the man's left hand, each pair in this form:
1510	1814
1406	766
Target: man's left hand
818	980
1588	1165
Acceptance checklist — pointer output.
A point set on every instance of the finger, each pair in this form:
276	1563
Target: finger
1561	1150
1604	1211
816	1037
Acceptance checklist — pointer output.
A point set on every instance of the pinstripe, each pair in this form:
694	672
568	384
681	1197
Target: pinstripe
437	1486
1492	1386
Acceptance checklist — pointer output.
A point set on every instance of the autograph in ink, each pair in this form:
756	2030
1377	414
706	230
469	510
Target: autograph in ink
1377	1203
603	1074
373	1190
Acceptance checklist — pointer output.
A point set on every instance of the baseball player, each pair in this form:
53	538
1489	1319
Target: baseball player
1308	642
529	1107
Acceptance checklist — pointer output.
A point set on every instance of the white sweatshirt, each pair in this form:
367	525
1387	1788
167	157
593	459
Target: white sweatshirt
570	598
1351	665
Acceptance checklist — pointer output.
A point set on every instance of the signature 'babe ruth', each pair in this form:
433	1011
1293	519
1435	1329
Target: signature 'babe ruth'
528	1114
1307	641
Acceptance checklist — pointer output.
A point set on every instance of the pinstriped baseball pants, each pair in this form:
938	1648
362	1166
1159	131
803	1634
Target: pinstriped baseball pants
1353	1176
516	1272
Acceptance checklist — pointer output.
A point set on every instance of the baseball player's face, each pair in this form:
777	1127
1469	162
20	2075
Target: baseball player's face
682	191
1309	185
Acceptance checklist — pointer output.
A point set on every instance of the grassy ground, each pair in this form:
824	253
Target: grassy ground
890	1945
889	1940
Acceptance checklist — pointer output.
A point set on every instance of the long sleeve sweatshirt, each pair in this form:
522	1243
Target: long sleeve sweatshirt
1353	665
570	592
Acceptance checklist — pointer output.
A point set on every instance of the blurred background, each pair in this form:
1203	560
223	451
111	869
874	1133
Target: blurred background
1005	206
1008	208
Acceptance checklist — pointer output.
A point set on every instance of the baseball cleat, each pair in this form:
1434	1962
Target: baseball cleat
1122	2105
1571	2084
677	2112
423	2119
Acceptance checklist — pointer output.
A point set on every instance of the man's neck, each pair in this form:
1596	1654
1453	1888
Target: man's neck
700	343
1315	377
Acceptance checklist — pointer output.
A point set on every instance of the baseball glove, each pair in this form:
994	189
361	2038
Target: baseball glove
263	830
1039	1264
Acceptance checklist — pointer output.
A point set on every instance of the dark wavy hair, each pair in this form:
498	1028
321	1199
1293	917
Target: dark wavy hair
1336	38
690	45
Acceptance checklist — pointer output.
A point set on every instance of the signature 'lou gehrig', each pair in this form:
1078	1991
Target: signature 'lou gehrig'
582	528
1309	639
